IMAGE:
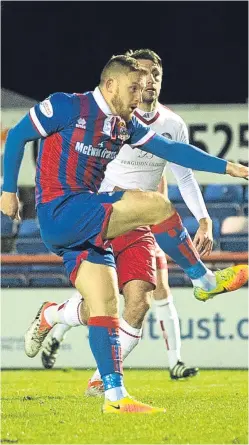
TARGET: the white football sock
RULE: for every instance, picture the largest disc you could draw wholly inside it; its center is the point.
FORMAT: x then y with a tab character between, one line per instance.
115	394
207	282
59	331
129	338
168	320
67	312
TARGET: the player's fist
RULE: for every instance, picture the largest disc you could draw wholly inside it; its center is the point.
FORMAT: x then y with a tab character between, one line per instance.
237	170
9	205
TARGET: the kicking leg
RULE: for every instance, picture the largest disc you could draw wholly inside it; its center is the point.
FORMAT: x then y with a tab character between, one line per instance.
143	208
175	241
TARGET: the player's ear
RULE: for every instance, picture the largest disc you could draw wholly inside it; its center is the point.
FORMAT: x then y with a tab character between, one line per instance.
110	85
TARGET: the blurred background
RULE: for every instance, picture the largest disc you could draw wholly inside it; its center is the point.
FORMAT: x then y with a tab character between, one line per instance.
62	46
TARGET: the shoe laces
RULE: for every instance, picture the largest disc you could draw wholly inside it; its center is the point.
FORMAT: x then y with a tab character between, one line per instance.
38	336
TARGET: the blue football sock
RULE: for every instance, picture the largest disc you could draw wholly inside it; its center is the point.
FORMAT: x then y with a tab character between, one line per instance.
174	240
105	346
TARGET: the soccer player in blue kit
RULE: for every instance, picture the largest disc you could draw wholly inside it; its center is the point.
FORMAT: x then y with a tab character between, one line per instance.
81	133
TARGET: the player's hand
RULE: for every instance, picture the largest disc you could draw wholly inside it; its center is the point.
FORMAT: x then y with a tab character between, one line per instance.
9	205
237	170
203	240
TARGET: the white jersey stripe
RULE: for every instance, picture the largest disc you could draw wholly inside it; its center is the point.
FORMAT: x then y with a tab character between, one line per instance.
37	123
145	139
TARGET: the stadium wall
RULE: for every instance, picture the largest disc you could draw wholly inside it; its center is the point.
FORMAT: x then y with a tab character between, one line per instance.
214	334
221	130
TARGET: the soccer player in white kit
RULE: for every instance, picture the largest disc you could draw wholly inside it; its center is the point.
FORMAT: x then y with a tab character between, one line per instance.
135	169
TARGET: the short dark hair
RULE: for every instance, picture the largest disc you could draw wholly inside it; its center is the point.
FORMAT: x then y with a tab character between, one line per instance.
145	53
120	63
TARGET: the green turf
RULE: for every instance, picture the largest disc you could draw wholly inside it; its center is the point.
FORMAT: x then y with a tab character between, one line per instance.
49	407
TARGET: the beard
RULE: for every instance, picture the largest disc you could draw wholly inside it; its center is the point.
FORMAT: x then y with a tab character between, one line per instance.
119	107
117	103
149	98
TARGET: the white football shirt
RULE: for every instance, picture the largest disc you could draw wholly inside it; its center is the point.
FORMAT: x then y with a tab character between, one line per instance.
135	168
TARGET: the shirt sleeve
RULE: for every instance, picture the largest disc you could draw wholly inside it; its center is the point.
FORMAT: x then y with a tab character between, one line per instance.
140	134
184	154
17	137
186	181
45	118
182	135
190	191
54	113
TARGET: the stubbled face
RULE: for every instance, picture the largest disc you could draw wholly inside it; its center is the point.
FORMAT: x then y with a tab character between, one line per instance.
127	94
153	81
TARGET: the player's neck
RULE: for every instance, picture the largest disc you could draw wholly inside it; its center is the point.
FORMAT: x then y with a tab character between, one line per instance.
149	107
109	103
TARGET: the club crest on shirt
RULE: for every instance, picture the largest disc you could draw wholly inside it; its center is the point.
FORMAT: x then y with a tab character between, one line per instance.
123	133
115	128
46	108
167	135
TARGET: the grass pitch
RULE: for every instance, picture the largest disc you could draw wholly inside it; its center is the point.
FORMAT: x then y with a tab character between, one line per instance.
49	407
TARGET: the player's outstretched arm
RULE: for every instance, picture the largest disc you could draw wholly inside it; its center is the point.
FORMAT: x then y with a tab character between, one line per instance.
13	154
191	157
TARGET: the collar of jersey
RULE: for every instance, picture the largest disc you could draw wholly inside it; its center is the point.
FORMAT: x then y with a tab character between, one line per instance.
101	102
147	115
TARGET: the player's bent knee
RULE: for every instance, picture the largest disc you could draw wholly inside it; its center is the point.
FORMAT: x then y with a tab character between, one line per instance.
134	314
101	300
137	295
143	306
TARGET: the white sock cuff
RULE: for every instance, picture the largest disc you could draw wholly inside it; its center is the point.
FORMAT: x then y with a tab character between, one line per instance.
128	329
72	311
165	301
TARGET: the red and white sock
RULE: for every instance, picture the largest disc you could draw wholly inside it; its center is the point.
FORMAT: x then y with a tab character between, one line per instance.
67	313
168	320
129	338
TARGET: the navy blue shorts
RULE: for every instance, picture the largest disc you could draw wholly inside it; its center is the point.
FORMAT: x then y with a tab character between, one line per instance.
72	228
